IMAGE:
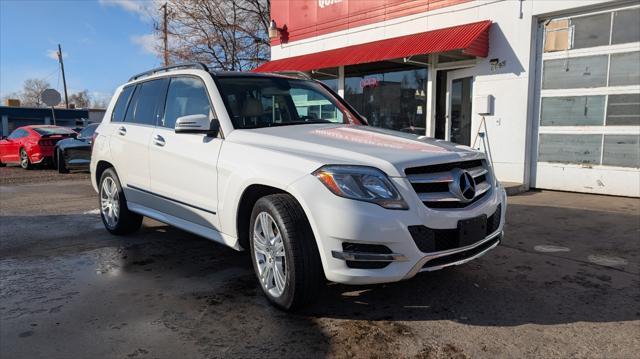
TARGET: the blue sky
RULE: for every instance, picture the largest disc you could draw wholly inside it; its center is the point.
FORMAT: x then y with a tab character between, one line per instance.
104	42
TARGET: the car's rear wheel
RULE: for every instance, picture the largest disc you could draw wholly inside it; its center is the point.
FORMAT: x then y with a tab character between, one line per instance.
25	162
62	167
284	252
116	216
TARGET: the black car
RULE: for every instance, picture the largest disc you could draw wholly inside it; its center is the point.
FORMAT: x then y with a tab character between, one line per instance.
75	153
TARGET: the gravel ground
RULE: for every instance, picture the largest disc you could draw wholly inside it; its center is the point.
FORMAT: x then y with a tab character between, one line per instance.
564	283
13	175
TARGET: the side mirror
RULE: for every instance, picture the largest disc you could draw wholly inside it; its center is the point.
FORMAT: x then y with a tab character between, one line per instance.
197	124
3	137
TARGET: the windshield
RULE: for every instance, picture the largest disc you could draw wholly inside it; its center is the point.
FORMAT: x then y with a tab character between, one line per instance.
89	130
254	102
46	131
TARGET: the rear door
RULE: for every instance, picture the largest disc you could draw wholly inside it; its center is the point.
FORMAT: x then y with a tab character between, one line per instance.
129	141
183	166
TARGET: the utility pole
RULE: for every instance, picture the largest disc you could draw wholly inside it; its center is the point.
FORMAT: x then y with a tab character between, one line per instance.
64	79
165	34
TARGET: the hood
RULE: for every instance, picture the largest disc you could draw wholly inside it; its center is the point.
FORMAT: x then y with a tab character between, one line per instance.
391	151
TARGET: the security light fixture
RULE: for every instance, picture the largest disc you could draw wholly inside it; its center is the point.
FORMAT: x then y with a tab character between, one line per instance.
277	32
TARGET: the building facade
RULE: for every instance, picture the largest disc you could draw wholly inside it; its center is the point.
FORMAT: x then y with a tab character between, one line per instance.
554	85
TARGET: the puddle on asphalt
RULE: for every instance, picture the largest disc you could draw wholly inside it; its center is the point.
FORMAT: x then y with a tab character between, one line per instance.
608	261
550	249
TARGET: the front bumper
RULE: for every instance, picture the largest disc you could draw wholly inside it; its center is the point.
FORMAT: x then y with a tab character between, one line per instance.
336	221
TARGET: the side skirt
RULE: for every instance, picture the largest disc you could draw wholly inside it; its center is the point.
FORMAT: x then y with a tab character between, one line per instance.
208	233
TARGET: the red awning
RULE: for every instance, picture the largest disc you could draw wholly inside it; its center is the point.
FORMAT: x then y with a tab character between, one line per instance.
471	39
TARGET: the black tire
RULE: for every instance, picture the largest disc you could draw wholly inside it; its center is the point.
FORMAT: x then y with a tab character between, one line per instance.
2	164
304	275
127	221
25	162
62	167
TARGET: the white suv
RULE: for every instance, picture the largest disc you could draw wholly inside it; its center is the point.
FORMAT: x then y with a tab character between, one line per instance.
282	166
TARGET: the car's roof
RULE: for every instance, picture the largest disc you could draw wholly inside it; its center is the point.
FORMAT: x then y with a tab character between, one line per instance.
294	75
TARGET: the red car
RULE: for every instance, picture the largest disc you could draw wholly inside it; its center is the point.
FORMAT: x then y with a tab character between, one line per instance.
30	145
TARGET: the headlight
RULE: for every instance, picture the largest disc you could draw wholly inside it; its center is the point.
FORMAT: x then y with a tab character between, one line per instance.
361	183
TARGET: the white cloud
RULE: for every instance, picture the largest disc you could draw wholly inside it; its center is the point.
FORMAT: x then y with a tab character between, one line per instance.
143	8
53	54
148	43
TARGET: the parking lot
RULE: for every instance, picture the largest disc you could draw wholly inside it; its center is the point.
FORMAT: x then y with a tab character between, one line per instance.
564	283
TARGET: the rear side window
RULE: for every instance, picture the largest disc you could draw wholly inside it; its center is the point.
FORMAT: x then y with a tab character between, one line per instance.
121	104
186	96
146	105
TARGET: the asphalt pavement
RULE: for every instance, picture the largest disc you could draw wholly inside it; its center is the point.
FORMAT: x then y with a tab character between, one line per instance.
564	283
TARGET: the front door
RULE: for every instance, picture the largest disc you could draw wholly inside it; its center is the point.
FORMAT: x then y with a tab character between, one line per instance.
459	97
183	165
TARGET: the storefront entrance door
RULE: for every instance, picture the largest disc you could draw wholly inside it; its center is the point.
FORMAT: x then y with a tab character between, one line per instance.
459	96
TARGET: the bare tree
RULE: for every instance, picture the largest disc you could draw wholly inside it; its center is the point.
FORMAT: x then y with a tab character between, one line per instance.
31	91
99	103
226	35
80	99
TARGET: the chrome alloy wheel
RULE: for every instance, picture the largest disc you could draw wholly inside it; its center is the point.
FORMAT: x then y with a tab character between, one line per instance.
110	201
269	254
24	159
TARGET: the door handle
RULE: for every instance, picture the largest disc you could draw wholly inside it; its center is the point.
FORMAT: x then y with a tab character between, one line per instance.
158	140
122	131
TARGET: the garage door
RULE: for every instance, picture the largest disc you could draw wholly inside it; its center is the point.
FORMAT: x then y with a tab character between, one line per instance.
589	103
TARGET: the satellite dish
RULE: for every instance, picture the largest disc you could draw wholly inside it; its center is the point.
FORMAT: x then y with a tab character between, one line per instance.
50	97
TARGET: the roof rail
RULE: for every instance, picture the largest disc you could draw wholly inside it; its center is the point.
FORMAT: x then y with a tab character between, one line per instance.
190	65
297	74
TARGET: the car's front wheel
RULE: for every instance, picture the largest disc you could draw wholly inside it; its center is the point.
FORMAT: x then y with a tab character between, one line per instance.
284	253
116	216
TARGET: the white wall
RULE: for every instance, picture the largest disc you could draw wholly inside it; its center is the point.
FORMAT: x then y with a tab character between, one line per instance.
511	39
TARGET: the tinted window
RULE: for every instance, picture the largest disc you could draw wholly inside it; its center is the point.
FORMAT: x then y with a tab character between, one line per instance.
626	27
576	72
621	150
581	149
88	131
394	99
147	102
186	96
273	101
623	110
591	30
121	104
624	69
19	133
572	111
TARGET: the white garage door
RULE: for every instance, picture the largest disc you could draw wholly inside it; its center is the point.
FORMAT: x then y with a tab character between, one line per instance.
589	103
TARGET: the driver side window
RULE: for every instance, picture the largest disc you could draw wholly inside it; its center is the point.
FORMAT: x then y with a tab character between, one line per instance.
17	134
186	96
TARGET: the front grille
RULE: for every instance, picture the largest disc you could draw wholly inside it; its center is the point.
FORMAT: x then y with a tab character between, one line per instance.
366	248
436	185
435	240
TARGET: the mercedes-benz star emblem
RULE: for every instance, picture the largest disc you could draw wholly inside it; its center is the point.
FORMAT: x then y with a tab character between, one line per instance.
463	185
